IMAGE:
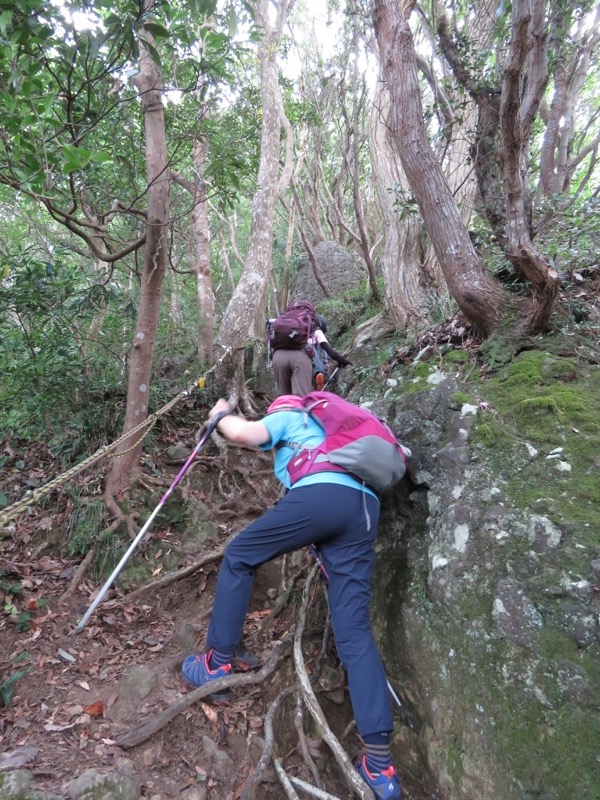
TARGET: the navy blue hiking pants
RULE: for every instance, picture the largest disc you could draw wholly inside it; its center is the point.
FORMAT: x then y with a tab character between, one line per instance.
333	517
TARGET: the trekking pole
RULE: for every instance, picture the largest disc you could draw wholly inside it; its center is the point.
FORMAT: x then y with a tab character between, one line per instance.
330	378
202	441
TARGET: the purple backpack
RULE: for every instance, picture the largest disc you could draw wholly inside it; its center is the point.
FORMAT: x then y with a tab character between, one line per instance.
292	329
356	441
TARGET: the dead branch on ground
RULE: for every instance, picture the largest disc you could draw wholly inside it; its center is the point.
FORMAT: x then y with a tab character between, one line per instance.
171	577
138	735
79	573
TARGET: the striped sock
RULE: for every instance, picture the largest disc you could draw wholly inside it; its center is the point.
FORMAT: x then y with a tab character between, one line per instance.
378	755
218	658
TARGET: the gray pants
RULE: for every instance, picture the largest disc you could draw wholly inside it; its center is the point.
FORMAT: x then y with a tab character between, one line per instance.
293	372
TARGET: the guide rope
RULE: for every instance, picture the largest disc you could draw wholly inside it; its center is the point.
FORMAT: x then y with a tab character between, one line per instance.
33	496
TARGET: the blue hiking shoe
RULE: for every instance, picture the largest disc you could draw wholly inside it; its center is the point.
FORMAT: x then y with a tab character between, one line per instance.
196	672
385	785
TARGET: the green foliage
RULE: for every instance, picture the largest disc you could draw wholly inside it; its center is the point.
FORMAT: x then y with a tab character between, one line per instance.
51	382
85	526
9	586
7	687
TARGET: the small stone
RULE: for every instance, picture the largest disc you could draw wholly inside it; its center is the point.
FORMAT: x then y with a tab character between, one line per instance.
93	783
563	466
193	793
215	753
186	636
138	683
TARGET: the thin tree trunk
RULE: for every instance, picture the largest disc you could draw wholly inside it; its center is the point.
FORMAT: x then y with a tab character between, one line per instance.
249	293
204	289
358	205
149	85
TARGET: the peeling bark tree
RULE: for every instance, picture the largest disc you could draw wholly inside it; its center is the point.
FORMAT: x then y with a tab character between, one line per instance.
241	311
404	284
479	296
149	85
501	149
560	156
525	79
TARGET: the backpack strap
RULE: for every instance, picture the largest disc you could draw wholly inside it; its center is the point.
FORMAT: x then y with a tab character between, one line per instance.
294	445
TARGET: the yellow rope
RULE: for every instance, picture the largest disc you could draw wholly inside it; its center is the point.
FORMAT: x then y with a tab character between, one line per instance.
33	496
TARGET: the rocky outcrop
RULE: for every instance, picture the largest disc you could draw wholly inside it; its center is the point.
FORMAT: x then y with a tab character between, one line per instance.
339	270
486	597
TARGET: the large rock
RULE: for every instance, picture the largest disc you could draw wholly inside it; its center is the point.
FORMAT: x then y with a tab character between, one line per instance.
339	270
483	606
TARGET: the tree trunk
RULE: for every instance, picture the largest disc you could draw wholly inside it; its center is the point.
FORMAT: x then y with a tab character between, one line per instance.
241	311
358	205
478	294
404	287
525	79
204	290
149	85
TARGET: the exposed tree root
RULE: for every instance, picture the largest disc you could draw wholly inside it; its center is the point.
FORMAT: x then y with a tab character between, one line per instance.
299	725
357	785
79	573
312	790
263	761
282	601
284	780
171	577
138	735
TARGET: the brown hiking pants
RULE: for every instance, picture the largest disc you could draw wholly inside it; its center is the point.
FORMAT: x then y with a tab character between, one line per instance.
293	372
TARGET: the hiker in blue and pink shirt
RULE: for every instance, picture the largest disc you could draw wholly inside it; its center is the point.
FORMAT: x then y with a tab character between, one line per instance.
338	514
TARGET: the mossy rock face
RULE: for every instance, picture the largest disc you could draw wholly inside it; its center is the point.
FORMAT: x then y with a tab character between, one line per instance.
484	599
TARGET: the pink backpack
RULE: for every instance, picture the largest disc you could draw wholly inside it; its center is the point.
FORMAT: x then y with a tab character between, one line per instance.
356	441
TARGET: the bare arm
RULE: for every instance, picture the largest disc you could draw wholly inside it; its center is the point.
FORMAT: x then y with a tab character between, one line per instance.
237	429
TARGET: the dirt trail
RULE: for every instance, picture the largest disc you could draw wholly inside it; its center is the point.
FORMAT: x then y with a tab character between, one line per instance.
71	699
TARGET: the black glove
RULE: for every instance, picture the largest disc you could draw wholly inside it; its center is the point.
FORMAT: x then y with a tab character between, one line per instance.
342	362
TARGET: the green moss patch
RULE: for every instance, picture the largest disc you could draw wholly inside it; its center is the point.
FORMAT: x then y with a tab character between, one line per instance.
551	404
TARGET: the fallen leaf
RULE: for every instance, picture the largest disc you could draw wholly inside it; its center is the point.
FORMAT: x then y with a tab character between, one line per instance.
57	728
66	656
210	712
95	709
84	685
